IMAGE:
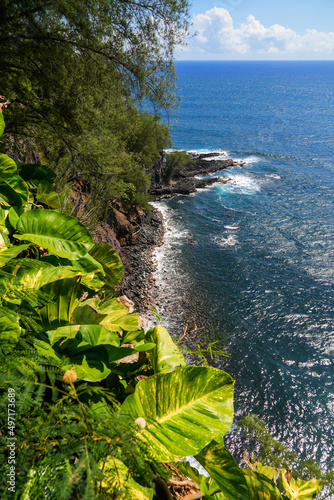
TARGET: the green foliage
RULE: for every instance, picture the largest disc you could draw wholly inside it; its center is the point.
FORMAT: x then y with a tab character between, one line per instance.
165	357
206	348
88	423
110	261
61	234
175	162
300	489
75	75
184	410
271	451
276	455
13	190
235	483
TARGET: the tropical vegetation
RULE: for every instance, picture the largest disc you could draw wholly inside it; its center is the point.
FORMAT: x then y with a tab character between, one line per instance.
92	405
88	423
80	78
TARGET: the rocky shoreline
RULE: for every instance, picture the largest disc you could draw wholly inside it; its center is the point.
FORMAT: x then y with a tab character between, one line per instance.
187	181
136	236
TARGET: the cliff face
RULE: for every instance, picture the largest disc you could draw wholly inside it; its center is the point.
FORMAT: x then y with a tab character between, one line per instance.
132	236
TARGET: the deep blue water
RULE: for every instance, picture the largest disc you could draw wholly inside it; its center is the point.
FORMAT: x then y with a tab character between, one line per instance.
263	258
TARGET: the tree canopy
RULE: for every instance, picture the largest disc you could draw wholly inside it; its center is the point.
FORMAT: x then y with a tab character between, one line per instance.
74	73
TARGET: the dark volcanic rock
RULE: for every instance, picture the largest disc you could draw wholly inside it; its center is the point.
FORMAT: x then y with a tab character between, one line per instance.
135	234
204	167
182	186
185	182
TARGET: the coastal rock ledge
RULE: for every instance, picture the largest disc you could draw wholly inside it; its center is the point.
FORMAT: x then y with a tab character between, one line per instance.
187	182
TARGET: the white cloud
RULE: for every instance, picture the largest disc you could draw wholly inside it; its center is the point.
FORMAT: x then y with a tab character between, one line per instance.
216	35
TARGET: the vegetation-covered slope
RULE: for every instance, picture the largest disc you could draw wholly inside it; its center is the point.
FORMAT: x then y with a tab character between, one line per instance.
77	419
74	74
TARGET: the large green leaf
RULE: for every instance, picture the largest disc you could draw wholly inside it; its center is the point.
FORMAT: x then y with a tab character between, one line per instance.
206	484
96	323
89	373
4	240
184	410
235	483
10	253
61	234
29	171
13	189
299	489
118	317
48	197
98	357
224	470
3	216
58	312
266	470
35	274
118	476
166	356
13	217
93	272
87	264
260	487
93	334
92	370
111	262
97	335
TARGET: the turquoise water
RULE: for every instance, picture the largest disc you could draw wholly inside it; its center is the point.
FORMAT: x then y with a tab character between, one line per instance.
262	251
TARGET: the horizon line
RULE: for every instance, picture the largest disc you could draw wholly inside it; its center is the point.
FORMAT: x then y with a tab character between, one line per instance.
253	60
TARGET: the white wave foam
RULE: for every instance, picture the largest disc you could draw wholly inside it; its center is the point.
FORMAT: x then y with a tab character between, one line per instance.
230	241
219	152
248	160
273	176
240	183
175	233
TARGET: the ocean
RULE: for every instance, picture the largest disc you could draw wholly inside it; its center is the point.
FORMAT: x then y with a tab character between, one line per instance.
253	259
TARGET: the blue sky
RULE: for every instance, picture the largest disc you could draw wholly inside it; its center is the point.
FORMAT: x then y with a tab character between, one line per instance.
261	29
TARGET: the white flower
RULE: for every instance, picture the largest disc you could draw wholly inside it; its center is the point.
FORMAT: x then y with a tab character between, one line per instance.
140	422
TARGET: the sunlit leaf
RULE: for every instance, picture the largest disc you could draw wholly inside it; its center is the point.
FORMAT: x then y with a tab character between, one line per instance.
299	489
234	482
166	356
118	476
111	262
10	253
184	410
61	234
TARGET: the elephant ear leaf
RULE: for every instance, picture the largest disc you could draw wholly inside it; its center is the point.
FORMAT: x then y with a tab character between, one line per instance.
265	470
297	489
166	356
184	410
48	197
10	253
35	171
13	189
61	234
111	262
235	483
